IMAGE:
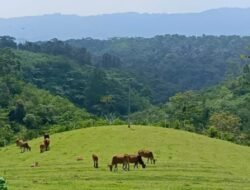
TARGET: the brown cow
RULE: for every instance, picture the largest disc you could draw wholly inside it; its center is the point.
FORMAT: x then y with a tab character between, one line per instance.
42	148
147	154
23	145
136	159
95	160
19	142
46	136
119	159
46	143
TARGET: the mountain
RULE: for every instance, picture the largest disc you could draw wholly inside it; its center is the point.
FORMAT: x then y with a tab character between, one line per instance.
183	161
225	21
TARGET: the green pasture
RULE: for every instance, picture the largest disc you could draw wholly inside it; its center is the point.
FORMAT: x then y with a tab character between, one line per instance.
184	161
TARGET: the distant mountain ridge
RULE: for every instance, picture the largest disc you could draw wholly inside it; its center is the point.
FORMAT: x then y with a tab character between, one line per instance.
224	21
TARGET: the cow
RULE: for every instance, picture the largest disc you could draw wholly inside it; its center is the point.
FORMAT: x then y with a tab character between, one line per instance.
119	159
136	159
24	146
46	143
95	160
42	148
46	136
147	154
19	142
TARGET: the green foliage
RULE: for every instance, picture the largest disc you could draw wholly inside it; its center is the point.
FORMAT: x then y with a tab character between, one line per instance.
26	111
225	121
8	62
154	69
7	42
212	132
3	185
172	63
220	112
57	47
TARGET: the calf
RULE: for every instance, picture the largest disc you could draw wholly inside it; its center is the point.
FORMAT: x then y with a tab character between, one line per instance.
95	160
42	148
147	154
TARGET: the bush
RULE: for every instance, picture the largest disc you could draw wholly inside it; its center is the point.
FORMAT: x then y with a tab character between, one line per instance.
212	132
3	185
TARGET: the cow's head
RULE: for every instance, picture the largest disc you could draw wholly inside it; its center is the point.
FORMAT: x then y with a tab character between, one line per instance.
110	167
154	160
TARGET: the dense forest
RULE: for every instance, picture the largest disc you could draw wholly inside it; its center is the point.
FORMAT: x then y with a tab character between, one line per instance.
27	111
222	111
171	63
61	85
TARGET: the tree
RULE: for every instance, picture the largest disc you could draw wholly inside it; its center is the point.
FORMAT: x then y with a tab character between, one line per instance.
7	42
225	122
30	120
96	89
9	63
18	113
110	61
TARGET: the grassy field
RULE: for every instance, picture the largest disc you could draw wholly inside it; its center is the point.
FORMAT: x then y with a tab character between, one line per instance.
184	161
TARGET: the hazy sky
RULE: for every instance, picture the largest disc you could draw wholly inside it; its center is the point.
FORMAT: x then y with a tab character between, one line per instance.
16	8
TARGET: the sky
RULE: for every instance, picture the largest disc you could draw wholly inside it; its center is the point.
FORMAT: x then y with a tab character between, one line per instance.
18	8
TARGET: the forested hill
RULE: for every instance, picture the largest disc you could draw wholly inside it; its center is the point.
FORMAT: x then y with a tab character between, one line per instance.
171	63
228	21
87	70
26	111
222	111
96	75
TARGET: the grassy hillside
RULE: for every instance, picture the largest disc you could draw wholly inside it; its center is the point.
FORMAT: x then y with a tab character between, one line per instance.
184	161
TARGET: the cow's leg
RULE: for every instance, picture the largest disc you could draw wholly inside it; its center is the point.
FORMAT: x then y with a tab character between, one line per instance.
124	167
136	165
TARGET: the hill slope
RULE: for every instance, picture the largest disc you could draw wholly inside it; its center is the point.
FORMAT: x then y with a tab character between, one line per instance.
184	161
213	22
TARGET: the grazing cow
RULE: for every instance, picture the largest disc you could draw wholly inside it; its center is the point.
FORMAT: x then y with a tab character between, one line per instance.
46	143
136	159
147	154
23	145
42	148
95	160
119	159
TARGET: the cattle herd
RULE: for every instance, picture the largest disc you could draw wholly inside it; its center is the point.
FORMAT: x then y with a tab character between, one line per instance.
24	146
124	159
